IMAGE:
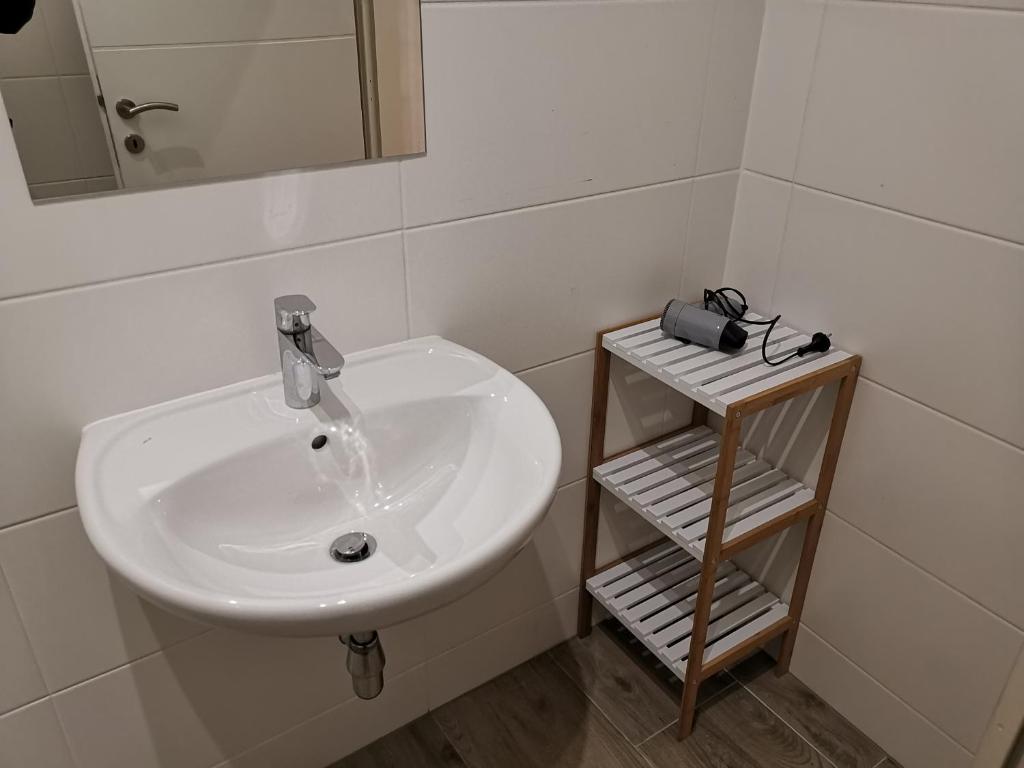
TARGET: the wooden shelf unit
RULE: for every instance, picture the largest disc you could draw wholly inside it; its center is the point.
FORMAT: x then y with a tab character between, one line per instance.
683	599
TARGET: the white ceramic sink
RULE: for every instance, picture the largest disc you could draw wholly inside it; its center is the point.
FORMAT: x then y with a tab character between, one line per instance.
217	507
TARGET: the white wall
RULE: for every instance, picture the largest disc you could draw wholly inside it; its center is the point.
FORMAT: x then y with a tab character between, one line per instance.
45	84
880	198
578	153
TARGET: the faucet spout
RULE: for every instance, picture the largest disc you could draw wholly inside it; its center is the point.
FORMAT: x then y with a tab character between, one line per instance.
306	356
316	351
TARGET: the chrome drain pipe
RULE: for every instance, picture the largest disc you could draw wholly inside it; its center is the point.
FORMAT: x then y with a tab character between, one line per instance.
365	663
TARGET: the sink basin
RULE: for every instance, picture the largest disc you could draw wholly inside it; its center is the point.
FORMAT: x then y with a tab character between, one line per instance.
219	507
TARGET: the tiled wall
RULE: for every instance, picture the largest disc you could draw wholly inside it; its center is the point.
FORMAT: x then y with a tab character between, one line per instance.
880	198
578	153
45	84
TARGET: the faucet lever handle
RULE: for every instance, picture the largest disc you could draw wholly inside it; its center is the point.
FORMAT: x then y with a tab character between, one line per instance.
292	312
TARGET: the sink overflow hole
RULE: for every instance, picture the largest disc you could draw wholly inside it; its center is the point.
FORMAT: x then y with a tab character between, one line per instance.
353	547
319	442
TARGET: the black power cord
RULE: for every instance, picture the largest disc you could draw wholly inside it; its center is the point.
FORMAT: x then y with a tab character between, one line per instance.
728	307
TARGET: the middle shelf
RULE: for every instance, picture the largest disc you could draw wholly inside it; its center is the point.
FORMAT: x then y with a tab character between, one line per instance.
670	484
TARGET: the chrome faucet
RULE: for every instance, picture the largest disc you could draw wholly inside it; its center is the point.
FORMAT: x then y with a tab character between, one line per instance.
306	356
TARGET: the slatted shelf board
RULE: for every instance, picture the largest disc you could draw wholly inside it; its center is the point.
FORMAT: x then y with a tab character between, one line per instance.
654	595
670	485
712	378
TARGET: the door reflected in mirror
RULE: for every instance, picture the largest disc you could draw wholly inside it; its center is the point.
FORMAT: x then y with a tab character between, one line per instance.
109	95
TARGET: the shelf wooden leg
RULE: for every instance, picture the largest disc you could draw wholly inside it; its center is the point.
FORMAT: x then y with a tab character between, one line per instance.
592	507
712	553
837	428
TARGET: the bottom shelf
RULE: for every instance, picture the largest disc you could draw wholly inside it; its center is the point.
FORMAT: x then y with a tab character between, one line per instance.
654	594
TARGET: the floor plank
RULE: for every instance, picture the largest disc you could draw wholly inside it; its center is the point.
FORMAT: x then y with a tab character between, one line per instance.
533	716
806	713
420	744
633	698
734	731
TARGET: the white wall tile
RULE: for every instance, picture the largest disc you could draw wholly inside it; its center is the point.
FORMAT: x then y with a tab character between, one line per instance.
640	408
951	152
68	600
65	39
42	129
90	133
213	697
565	387
547	568
343	729
731	64
862	700
532	286
784	68
27	54
707	236
32	736
936	650
938	492
621	531
489	655
886	284
758	226
202	701
164	322
609	96
20	681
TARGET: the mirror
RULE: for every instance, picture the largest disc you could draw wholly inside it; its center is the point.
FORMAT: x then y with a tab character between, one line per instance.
109	95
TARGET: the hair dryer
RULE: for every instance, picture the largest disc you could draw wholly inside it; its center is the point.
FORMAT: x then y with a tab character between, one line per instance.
702	326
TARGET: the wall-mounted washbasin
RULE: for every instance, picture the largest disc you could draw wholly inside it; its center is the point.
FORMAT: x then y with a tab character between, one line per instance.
223	506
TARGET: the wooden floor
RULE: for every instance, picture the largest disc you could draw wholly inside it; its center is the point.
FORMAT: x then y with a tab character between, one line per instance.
589	703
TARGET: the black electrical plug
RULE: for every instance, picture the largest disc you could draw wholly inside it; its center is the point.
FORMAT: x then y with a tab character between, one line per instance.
819	343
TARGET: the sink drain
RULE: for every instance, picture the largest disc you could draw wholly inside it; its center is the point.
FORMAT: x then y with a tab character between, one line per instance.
353	547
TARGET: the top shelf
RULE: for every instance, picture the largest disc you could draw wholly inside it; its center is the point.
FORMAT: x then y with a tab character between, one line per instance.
718	379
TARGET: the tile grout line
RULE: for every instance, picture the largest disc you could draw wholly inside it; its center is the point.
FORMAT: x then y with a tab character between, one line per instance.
796	160
92	678
593	703
569	200
937	728
637	662
229	761
997	239
405	252
449	742
956	420
939	4
782	720
928	574
557	360
352	238
65	733
659	731
713	697
634	747
405	281
702	125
